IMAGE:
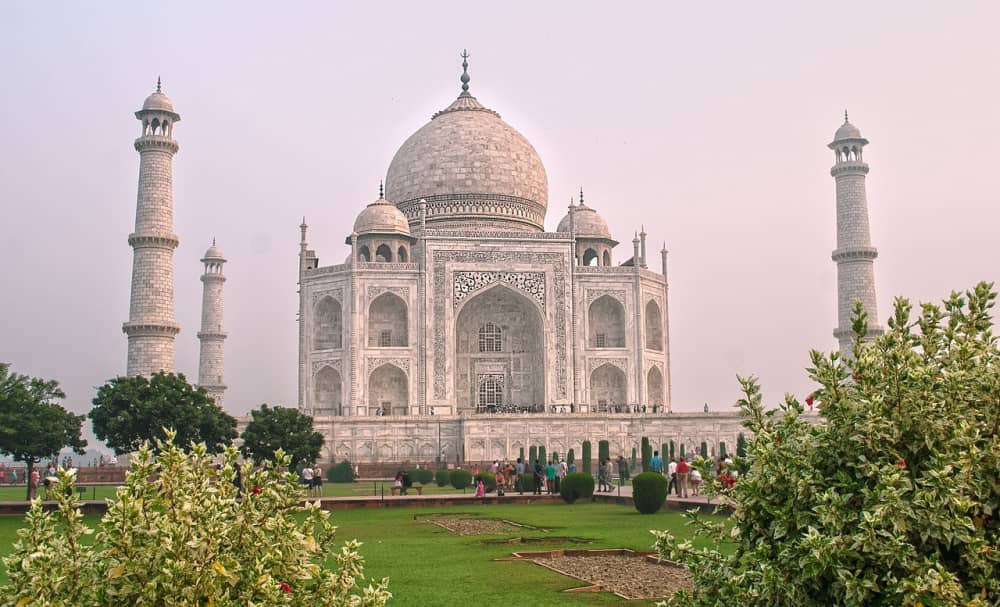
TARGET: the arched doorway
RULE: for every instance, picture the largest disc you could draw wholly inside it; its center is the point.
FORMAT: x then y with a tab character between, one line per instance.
608	388
328	393
500	352
388	391
654	388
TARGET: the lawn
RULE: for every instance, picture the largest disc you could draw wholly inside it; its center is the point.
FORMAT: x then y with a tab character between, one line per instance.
427	565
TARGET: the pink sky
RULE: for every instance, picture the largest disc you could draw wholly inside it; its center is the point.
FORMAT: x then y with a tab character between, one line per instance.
706	123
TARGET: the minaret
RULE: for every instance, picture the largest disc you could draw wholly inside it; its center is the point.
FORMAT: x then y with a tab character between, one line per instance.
151	327
855	255
212	361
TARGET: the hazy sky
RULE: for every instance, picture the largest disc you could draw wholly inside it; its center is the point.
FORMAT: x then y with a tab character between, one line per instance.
706	122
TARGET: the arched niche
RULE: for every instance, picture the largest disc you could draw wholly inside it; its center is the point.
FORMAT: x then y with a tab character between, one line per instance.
328	324
328	393
388	326
503	317
388	391
608	387
606	323
654	387
654	326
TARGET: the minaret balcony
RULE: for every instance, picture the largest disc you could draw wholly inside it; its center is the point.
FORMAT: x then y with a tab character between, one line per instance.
854	254
156	142
851	167
153	241
150	329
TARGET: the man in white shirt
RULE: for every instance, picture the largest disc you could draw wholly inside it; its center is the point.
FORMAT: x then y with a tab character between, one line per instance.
307	477
672	473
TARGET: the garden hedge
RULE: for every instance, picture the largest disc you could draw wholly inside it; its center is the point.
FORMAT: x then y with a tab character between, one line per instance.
460	479
443	477
341	473
649	490
576	486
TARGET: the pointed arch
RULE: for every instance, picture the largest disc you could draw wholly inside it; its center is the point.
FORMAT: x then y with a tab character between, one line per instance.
383	253
388	325
590	258
608	387
606	323
364	253
328	392
328	324
654	326
654	387
388	390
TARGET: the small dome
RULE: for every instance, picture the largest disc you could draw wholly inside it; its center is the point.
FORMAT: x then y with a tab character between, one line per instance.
586	222
847	131
214	252
381	217
158	102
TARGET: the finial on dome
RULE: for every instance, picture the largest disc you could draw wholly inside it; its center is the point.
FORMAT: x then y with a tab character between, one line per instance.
581	196
158	85
465	72
380	192
213	241
845	115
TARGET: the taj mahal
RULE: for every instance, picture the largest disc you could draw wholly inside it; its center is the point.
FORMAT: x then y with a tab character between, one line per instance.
458	328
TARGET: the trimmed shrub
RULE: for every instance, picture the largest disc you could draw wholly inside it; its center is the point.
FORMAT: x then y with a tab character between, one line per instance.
682	450
741	445
460	479
704	449
673	450
722	450
341	473
603	451
647	454
532	455
527	480
576	486
555	456
520	453
541	456
489	479
443	477
649	490
424	476
570	457
634	458
664	454
586	457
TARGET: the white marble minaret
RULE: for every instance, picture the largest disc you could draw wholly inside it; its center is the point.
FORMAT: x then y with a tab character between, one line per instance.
855	255
211	336
151	327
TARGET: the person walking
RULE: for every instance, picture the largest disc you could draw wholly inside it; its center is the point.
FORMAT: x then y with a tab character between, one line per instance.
519	479
550	478
609	472
539	477
682	477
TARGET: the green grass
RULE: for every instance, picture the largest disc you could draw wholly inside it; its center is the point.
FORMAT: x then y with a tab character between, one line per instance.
427	565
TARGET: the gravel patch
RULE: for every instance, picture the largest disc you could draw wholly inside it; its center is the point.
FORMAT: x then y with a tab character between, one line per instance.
629	575
477	526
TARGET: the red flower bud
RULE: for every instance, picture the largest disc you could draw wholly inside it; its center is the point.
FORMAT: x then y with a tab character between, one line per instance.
255	491
809	400
901	463
286	587
777	439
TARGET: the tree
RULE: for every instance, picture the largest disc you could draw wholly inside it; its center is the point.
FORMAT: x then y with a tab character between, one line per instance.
131	410
646	453
603	451
892	499
586	456
32	427
273	428
182	533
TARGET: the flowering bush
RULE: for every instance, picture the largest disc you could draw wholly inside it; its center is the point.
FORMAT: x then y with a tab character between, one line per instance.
892	500
181	532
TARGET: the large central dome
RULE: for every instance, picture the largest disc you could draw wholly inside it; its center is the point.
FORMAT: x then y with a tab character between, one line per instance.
473	169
